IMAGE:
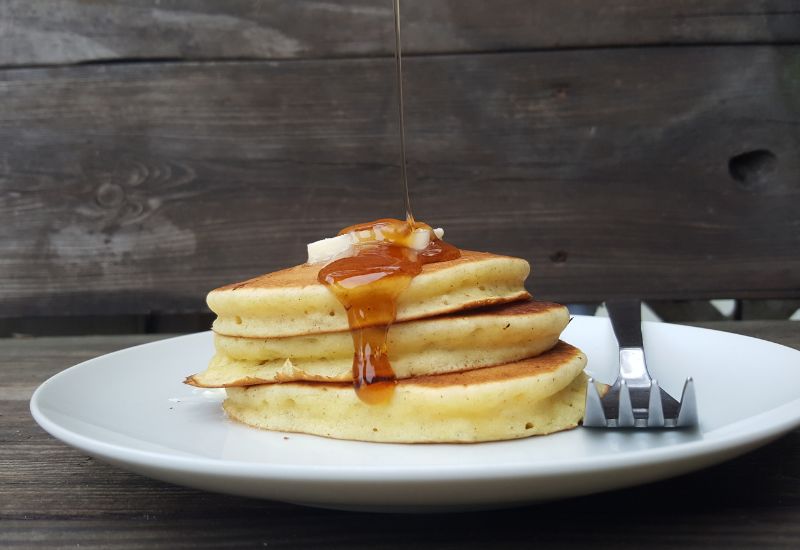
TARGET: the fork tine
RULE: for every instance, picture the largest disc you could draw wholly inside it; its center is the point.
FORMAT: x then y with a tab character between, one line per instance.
656	409
655	412
625	411
594	415
687	416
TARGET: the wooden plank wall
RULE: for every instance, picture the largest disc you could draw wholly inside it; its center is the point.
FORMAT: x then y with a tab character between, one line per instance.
150	151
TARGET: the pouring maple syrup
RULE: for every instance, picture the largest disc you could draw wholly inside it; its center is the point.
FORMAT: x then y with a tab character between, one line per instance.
398	64
369	282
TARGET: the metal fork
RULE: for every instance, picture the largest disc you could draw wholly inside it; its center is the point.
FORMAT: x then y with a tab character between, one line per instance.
636	400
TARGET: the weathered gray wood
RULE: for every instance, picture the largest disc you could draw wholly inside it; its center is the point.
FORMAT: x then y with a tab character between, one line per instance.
54	496
59	31
82	325
769	309
137	188
683	311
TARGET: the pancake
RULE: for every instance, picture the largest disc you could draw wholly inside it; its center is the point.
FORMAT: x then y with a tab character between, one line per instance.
456	342
534	396
291	302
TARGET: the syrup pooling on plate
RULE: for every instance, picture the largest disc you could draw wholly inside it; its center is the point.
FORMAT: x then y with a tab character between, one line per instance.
368	285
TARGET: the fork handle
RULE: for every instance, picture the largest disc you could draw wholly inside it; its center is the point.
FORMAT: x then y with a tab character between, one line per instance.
626	319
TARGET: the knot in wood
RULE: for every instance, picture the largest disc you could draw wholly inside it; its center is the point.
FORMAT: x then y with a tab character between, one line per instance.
753	168
110	195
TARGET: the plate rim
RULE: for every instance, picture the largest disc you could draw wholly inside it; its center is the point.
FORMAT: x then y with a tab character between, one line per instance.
765	426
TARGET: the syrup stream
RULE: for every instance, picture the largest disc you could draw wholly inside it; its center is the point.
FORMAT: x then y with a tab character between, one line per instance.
398	61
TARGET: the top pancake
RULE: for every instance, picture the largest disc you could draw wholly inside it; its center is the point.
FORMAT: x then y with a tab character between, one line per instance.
292	302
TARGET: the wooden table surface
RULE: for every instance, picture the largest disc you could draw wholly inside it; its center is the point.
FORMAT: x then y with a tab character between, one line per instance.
54	496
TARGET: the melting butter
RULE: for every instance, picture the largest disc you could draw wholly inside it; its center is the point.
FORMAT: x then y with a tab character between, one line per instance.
343	246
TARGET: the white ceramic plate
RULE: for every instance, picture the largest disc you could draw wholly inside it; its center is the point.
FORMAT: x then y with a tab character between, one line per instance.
130	408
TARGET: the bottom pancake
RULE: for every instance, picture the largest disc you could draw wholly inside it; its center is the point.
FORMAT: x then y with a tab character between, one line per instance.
536	396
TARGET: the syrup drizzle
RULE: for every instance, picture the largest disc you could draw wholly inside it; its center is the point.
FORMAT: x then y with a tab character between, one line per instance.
368	285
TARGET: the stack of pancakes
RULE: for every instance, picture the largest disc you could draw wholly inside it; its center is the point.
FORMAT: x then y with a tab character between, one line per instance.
475	358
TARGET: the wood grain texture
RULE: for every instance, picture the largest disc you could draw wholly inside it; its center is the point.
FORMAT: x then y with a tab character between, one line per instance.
137	188
58	31
54	496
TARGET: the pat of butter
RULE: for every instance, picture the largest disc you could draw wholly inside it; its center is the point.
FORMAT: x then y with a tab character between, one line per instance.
343	246
328	250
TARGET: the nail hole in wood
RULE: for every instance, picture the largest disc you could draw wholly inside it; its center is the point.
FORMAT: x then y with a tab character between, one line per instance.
752	168
559	256
561	91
